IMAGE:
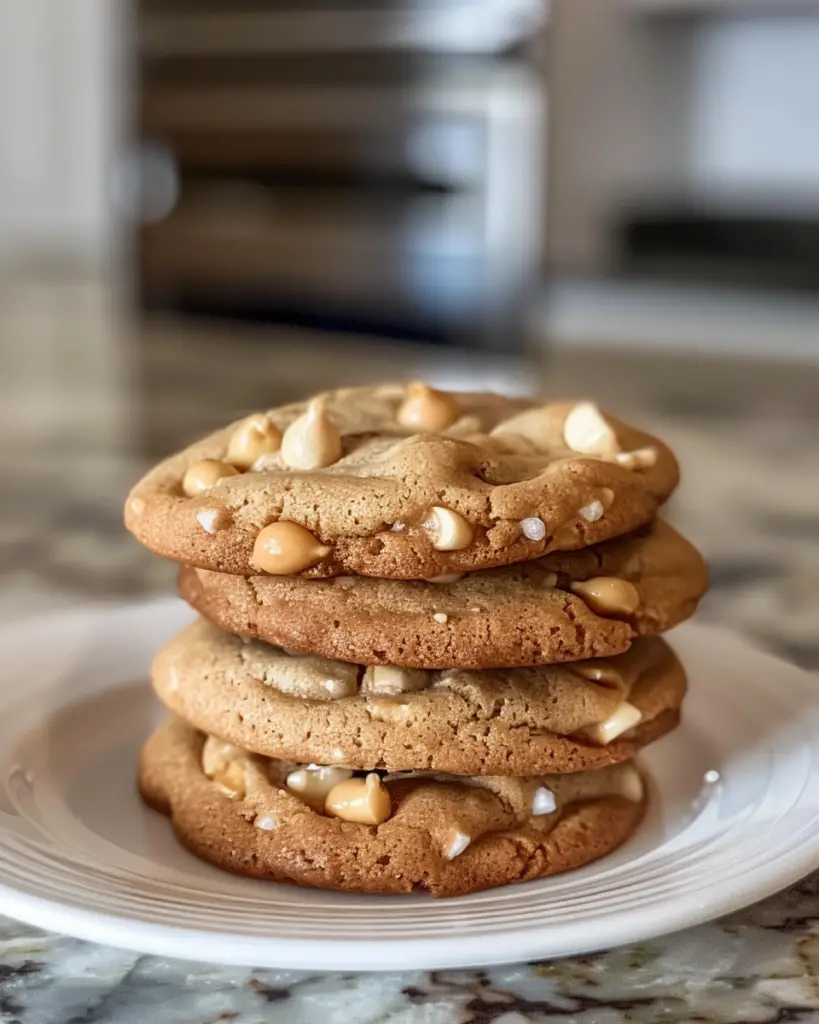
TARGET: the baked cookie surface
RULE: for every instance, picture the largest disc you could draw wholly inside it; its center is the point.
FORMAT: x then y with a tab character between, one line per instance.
525	614
520	721
440	834
401	482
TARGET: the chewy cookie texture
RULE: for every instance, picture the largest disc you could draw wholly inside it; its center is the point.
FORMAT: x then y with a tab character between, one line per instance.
378	481
565	606
445	835
518	721
430	638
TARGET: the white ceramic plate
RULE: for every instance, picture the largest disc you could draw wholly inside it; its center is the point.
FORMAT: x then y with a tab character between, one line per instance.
734	817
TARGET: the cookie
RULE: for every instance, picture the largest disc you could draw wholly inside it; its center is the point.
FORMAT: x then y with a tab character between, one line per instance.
504	721
444	835
526	614
400	482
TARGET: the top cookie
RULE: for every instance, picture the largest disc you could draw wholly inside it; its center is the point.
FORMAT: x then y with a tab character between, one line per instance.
400	482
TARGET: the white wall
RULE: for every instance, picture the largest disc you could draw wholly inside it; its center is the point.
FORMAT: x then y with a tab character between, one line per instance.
58	60
754	109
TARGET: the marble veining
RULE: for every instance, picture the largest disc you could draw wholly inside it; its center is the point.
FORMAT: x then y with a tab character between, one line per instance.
761	964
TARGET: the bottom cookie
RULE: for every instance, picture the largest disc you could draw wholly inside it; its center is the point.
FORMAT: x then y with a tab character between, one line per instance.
383	833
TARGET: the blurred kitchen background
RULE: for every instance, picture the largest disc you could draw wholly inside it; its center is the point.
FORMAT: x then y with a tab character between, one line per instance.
209	206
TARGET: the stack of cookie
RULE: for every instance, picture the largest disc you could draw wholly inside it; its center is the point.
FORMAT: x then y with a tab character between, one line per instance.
428	648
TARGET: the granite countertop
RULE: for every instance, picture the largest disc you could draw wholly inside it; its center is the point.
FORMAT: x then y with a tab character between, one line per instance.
89	402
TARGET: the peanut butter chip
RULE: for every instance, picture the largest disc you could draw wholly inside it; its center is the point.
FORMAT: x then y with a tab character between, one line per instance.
312	784
608	595
312	441
641	458
222	762
543	801
252	438
202	475
586	431
428	410
364	801
284	548
449	530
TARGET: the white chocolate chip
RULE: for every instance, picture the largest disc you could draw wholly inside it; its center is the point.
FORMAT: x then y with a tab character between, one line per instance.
533	528
387	709
457	845
398	527
224	764
312	784
205	473
441	617
338	688
630	785
586	431
252	439
266	823
550	579
312	441
137	506
447	577
390	680
543	802
450	531
212	520
623	719
592	512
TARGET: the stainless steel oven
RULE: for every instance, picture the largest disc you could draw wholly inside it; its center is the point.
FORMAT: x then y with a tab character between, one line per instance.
377	169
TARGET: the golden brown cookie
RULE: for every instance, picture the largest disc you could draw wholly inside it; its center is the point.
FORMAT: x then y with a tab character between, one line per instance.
401	482
444	835
504	721
525	614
